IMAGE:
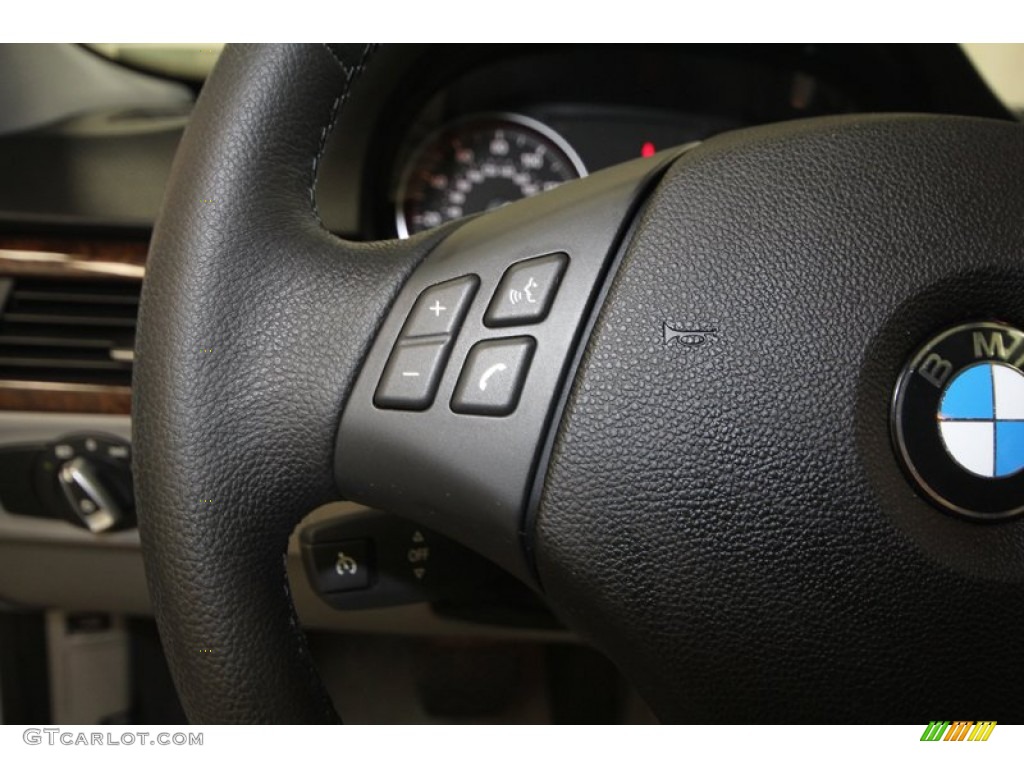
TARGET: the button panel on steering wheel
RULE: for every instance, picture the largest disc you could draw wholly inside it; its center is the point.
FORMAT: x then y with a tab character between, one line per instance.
462	384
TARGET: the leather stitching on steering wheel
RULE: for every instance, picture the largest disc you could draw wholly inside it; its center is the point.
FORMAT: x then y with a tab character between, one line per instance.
351	74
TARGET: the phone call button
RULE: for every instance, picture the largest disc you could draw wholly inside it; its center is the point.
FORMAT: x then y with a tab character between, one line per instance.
493	376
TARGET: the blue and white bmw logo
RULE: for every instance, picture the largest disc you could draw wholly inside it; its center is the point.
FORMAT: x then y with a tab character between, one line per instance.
958	420
981	419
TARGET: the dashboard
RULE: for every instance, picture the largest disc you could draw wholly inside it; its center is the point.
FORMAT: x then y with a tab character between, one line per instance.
591	107
432	134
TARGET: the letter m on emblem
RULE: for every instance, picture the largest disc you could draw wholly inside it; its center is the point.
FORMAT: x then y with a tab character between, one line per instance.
935	730
994	346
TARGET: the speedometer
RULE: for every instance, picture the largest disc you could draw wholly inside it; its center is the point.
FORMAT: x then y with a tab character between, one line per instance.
478	164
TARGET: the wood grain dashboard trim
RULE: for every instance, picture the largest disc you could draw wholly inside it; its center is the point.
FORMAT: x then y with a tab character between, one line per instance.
56	397
47	264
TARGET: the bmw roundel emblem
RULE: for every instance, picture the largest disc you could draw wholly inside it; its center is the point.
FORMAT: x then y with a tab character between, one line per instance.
958	420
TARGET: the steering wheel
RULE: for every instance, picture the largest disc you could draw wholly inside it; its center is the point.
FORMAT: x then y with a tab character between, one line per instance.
684	442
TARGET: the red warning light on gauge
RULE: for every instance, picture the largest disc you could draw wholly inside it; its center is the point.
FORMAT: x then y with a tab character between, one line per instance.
647	150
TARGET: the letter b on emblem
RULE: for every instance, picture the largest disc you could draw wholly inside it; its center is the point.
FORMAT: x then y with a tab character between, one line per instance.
935	370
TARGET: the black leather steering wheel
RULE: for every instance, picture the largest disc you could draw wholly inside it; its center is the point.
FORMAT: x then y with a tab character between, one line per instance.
698	475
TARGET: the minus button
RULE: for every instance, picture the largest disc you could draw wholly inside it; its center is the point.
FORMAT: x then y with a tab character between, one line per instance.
412	375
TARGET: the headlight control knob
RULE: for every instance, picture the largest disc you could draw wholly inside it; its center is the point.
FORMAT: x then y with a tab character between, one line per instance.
86	478
94	505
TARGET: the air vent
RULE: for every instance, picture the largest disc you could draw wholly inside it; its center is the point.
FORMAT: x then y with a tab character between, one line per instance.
71	331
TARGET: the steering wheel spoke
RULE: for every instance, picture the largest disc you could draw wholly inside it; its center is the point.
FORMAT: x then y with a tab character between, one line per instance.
468	371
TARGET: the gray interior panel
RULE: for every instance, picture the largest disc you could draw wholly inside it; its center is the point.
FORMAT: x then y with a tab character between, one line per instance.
60	81
51	563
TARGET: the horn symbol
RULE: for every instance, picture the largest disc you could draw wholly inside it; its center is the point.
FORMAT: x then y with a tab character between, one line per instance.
686	337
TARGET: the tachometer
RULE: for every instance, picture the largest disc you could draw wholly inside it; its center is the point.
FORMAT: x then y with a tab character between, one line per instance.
478	164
